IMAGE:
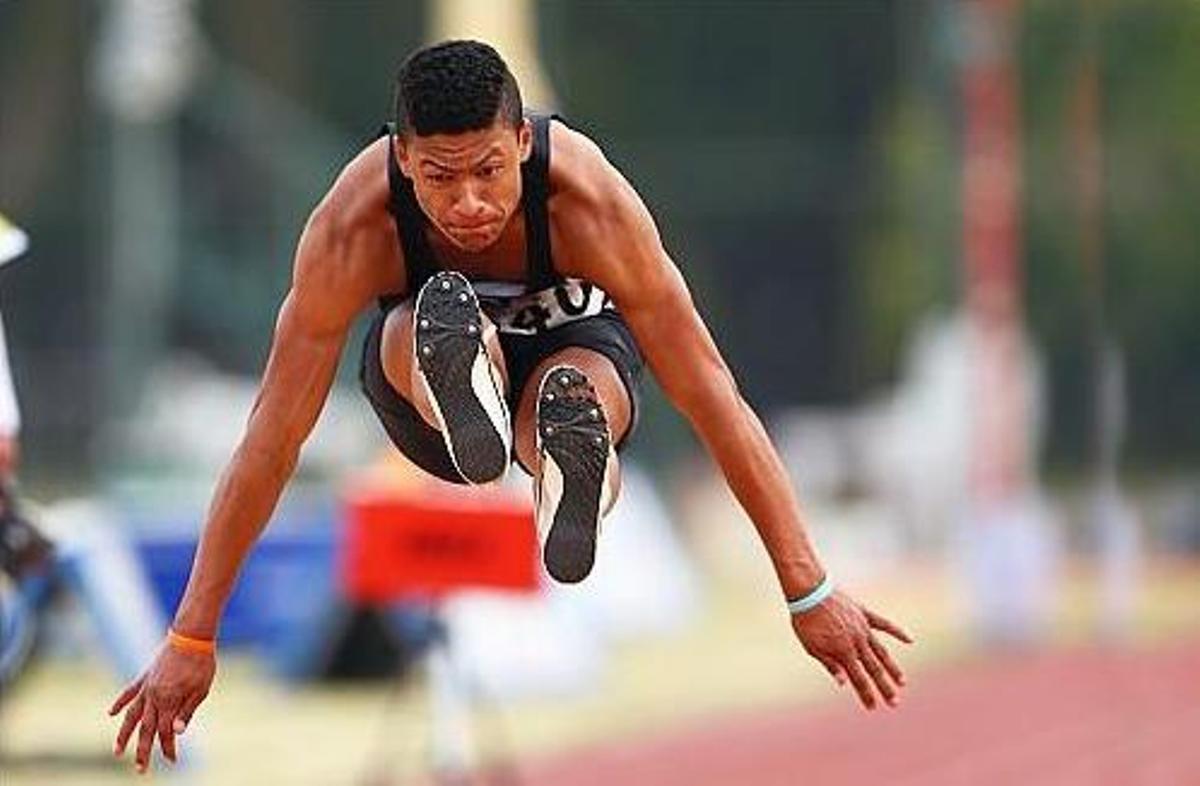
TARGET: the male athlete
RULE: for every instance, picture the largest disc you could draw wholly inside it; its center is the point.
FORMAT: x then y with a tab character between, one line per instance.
520	281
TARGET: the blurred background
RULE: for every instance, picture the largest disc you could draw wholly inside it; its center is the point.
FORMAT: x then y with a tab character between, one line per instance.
948	248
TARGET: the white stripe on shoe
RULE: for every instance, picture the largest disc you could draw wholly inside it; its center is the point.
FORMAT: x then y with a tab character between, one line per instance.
490	394
549	495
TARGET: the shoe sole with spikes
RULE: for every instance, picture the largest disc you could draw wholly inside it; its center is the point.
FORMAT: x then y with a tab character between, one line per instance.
574	443
467	398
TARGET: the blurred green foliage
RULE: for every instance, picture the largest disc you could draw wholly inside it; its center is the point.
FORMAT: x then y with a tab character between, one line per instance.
1146	293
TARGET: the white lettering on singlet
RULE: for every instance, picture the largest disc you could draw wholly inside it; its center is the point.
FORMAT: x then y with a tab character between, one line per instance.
544	309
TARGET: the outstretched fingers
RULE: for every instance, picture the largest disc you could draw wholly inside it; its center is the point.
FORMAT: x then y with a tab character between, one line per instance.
835	670
862	685
879	622
879	677
166	733
127	695
146	734
886	659
132	716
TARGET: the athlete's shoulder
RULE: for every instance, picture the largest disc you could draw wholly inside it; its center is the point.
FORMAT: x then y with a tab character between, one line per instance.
350	233
581	176
596	215
357	200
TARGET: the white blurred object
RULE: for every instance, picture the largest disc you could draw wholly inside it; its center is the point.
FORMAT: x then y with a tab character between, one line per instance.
830	455
514	646
103	572
1114	519
13	241
450	741
149	50
919	444
895	473
1007	541
906	450
1117	529
888	474
921	457
191	417
10	413
1010	553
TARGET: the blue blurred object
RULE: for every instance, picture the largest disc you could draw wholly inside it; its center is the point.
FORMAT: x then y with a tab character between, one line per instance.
19	608
287	585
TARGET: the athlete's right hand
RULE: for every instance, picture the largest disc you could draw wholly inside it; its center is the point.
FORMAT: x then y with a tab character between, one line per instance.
840	634
161	701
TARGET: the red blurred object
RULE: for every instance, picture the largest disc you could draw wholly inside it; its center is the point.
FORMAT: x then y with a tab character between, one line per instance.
432	539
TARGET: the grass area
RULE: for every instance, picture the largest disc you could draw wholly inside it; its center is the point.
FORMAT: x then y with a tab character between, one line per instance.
739	656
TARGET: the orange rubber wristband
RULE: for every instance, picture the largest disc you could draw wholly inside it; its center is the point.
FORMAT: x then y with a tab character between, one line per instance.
188	644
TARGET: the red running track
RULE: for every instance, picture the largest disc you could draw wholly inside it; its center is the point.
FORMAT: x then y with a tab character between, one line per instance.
1098	717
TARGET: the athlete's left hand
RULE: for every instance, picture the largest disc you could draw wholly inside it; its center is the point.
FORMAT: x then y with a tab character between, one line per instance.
840	633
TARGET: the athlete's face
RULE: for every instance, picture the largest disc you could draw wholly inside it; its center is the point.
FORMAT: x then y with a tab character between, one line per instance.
468	184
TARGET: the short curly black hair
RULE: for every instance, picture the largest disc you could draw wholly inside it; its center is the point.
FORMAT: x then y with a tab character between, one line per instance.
455	86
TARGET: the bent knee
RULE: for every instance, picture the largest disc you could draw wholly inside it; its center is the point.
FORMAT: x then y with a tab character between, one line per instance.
606	380
395	349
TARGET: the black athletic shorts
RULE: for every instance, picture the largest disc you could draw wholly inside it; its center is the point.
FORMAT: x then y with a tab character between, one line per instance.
605	333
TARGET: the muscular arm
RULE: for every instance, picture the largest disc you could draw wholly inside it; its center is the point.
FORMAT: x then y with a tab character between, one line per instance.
309	335
685	360
610	238
346	256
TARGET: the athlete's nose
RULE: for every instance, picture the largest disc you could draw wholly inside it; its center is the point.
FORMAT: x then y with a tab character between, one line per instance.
469	205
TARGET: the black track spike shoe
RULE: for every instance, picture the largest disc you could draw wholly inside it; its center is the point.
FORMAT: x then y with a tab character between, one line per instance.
465	390
574	444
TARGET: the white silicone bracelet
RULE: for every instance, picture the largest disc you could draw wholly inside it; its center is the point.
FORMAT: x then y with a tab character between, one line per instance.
812	599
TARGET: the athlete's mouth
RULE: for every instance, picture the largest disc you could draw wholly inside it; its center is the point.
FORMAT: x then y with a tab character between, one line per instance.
472	229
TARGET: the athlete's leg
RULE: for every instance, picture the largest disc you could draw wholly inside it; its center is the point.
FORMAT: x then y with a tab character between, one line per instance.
572	413
442	355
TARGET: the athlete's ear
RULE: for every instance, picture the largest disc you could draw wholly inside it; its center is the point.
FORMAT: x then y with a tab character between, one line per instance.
525	139
400	150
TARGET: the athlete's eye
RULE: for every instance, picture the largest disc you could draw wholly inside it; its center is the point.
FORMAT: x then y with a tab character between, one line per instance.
490	170
440	178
